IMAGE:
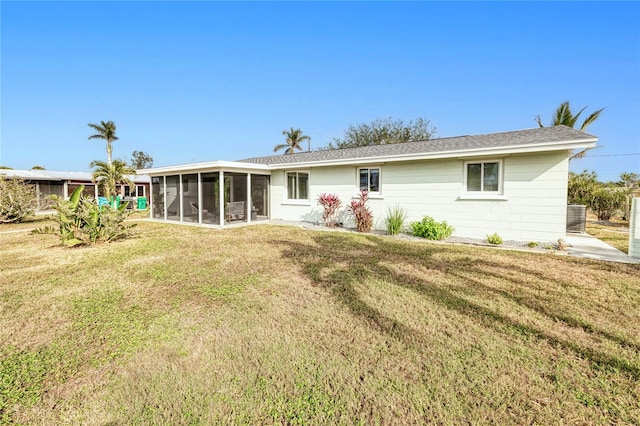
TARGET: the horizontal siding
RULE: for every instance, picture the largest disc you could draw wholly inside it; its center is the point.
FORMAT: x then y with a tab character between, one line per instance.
535	187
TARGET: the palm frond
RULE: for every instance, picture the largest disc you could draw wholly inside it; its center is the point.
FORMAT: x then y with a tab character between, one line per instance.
593	117
279	147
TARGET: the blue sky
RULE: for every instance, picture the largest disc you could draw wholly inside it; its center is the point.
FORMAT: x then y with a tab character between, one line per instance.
203	81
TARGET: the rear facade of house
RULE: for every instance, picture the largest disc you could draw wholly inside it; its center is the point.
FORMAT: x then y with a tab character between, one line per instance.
510	183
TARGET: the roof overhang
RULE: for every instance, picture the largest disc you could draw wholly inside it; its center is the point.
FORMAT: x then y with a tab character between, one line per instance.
210	166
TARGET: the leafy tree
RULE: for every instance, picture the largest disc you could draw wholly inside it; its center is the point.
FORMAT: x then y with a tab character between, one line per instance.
108	175
606	200
564	116
17	200
581	187
141	160
384	131
107	132
38	168
6	168
294	138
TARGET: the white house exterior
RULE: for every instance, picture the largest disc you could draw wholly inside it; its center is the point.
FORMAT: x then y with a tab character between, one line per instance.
513	183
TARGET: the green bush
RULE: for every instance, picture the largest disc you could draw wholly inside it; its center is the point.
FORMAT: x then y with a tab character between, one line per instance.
606	201
17	200
395	219
80	221
494	239
430	229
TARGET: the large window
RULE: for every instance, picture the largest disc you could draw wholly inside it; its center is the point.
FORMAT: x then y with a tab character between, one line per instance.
297	185
369	179
483	177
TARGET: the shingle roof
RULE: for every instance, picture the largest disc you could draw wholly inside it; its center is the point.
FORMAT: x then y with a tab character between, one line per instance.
542	135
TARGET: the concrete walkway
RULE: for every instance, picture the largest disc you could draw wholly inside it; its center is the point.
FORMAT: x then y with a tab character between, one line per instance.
584	245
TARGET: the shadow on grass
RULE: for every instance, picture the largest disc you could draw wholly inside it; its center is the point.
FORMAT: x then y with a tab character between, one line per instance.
339	263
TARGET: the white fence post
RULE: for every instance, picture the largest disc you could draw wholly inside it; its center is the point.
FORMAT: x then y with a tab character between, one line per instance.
634	229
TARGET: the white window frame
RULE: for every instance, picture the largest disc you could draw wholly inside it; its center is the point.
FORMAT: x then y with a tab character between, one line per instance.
371	193
482	193
137	187
288	200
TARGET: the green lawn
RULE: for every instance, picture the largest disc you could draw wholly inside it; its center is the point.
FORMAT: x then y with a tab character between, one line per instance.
280	325
614	234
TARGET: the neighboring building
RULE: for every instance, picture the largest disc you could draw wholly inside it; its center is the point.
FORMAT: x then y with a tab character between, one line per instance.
513	183
63	184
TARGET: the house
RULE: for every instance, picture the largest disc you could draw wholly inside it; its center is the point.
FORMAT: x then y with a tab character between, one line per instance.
63	184
513	183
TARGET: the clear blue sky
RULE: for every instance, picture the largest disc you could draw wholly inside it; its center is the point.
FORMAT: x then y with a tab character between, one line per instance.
203	81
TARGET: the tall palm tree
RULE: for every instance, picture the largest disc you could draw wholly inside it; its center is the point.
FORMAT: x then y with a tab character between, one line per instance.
564	116
108	175
294	138
106	131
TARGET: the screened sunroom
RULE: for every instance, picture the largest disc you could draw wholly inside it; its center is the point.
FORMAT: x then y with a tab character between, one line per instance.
217	193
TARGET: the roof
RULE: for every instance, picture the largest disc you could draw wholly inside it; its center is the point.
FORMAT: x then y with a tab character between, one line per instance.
51	175
529	140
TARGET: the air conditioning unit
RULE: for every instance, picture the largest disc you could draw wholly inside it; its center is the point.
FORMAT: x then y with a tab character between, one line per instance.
576	217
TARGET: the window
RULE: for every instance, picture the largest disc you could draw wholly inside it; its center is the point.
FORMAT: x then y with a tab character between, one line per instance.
138	191
483	176
297	185
369	179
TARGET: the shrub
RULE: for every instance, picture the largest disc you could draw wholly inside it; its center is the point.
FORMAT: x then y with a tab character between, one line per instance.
395	219
494	239
17	200
432	230
532	244
80	221
331	203
361	213
581	186
606	201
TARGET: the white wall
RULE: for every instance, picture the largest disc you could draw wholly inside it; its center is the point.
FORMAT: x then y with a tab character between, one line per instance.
535	188
634	229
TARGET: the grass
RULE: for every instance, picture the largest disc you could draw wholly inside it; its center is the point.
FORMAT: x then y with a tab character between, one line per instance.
614	233
268	324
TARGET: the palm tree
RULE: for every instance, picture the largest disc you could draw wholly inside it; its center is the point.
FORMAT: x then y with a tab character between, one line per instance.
564	116
108	175
294	138
106	131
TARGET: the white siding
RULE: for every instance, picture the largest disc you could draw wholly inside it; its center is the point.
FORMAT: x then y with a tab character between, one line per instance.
535	188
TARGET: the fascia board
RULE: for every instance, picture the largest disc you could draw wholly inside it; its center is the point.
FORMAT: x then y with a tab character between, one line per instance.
205	167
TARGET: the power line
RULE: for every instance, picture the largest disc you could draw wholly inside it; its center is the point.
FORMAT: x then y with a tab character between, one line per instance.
613	155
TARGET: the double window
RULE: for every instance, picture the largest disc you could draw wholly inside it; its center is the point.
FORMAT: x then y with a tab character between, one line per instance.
297	185
136	191
369	179
483	177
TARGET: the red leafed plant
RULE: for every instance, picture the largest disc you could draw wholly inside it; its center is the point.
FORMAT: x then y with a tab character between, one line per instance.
361	213
331	203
